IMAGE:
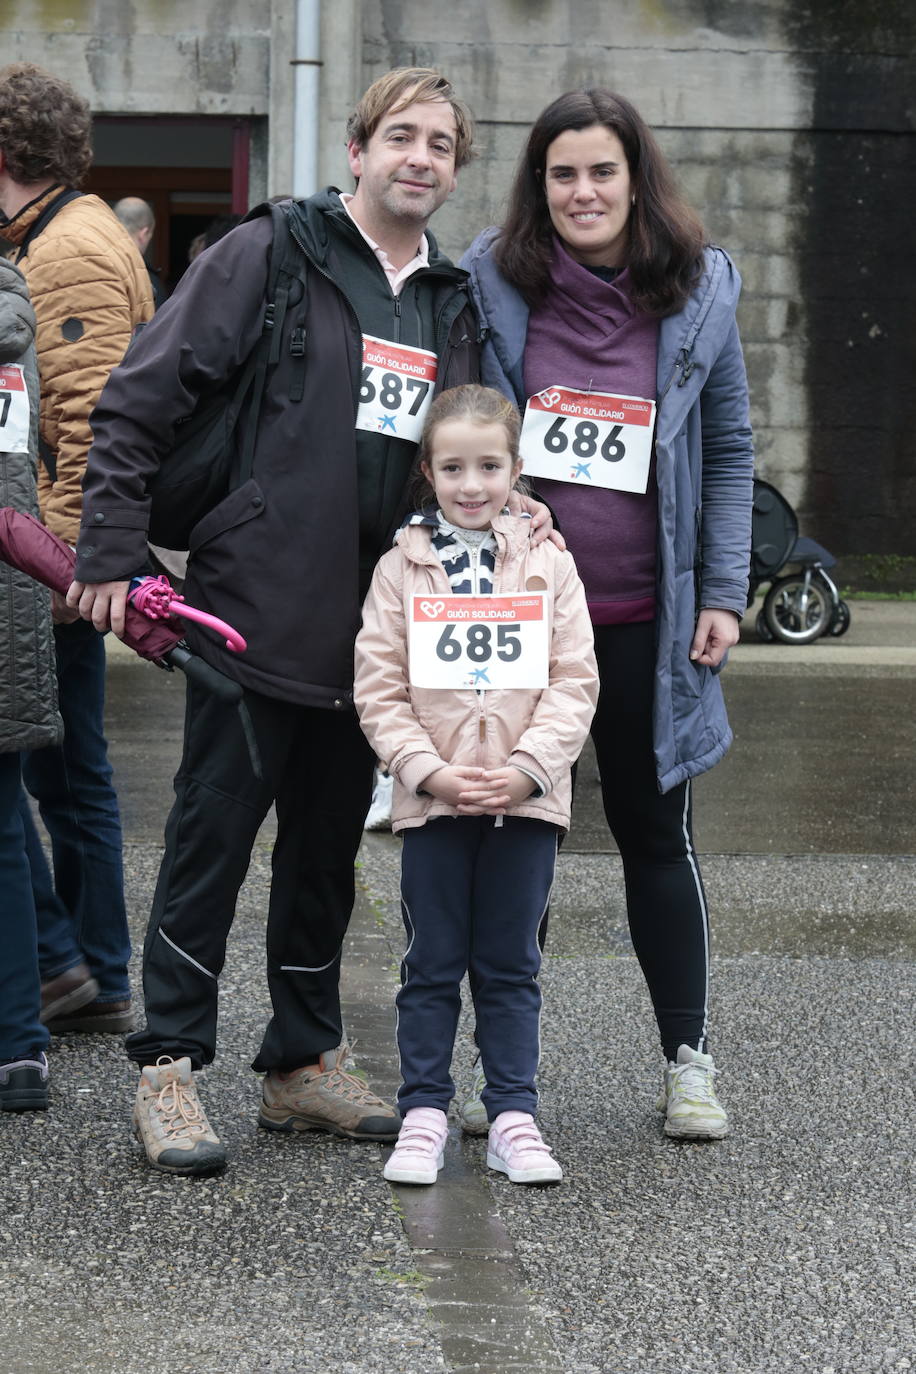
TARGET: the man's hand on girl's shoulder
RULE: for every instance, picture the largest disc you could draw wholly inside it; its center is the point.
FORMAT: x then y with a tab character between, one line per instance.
541	519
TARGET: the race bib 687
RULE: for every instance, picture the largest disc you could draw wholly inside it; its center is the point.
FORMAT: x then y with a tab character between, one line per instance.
396	389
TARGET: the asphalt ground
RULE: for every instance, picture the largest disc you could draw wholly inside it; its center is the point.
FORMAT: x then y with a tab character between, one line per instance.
788	1246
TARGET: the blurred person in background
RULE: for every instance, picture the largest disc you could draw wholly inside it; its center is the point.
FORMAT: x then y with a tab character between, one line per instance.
90	291
29	717
138	219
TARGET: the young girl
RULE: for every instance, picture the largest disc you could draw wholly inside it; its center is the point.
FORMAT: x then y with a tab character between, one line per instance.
478	709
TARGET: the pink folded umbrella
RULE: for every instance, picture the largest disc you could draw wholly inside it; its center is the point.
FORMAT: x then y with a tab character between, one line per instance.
151	624
152	627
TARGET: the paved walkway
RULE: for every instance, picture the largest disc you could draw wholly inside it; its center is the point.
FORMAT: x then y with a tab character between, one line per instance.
786	1247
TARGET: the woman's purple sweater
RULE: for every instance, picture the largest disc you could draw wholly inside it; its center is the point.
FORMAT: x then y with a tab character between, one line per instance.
588	335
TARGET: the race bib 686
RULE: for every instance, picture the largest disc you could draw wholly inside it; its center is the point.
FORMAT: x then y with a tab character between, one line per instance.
589	437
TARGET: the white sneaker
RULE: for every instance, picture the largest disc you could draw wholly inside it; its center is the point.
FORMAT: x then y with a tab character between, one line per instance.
688	1098
378	816
472	1113
515	1147
418	1157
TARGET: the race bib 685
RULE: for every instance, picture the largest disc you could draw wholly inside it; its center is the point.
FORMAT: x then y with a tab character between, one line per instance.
479	641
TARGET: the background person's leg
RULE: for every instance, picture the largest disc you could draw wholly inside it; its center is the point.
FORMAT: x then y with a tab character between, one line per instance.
58	950
79	808
21	1031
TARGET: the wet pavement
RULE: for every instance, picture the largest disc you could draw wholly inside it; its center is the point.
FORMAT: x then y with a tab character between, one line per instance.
788	1246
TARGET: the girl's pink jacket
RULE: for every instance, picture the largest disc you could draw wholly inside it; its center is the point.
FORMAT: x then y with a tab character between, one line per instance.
416	730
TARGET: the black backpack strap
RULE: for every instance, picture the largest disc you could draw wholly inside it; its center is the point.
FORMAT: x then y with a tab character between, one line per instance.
44	219
287	266
294	269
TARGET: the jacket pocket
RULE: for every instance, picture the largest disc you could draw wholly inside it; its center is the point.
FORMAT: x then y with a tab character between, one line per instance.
241	505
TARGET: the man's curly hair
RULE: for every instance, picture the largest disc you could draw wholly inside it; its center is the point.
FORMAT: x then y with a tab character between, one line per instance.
44	126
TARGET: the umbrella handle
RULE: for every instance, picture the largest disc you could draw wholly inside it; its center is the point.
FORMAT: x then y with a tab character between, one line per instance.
234	640
156	598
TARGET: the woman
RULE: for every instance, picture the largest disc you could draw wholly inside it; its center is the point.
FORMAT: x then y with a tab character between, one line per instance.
612	324
28	710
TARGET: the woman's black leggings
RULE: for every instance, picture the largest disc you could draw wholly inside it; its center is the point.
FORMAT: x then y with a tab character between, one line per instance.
666	904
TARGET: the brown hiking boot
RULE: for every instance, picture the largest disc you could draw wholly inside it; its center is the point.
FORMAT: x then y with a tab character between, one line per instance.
328	1096
67	992
170	1123
96	1018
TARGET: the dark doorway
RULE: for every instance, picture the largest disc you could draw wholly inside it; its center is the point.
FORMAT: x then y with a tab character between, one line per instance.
189	170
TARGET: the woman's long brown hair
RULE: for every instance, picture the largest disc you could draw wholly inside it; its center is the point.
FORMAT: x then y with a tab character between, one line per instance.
666	239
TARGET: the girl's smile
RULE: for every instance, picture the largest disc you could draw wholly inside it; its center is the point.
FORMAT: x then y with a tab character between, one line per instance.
472	471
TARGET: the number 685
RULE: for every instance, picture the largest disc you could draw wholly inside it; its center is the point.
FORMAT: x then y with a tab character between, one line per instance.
479	645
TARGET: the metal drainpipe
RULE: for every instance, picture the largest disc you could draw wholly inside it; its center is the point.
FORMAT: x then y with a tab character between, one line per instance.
307	71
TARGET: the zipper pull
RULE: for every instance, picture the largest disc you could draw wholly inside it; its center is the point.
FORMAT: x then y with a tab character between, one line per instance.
482	729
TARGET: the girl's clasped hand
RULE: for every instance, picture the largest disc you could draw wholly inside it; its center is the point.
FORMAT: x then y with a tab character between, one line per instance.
480	791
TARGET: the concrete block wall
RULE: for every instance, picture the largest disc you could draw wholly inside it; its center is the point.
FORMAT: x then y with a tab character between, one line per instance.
790	124
150	56
791	128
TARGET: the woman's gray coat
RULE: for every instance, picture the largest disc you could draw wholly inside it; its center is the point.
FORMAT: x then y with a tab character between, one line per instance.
705	462
28	681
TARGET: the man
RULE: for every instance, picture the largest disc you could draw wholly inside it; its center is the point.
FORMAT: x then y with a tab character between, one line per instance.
138	219
286	557
89	292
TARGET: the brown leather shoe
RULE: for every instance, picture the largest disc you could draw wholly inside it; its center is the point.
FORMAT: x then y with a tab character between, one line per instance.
96	1018
67	992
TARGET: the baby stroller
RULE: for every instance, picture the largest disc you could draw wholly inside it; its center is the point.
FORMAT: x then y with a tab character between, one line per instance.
801	605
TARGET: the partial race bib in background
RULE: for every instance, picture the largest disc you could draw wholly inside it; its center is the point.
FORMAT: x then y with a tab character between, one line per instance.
14	409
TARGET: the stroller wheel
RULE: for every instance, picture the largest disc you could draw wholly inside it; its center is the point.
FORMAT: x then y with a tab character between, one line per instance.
840	622
763	630
796	613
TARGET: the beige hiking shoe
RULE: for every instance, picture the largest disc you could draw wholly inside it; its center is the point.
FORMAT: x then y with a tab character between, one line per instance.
328	1096
170	1123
